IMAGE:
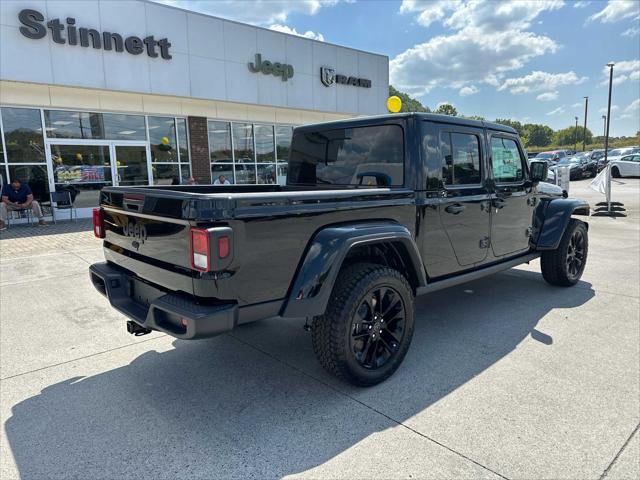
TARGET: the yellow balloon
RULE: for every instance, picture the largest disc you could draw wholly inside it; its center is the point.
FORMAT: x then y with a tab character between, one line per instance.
394	104
164	140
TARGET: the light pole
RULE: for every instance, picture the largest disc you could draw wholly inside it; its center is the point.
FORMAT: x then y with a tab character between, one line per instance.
575	136
606	138
584	132
604	128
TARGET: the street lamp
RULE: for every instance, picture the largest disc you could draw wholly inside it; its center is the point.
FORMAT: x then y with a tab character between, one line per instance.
604	128
575	136
606	138
584	132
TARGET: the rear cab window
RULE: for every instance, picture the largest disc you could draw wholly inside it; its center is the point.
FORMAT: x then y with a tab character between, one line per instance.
356	156
461	159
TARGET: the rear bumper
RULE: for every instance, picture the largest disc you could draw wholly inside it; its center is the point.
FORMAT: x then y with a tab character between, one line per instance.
173	313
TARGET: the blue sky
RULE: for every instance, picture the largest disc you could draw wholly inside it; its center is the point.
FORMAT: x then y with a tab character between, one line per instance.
532	61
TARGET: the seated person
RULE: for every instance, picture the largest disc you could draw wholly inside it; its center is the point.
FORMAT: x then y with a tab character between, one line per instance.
18	196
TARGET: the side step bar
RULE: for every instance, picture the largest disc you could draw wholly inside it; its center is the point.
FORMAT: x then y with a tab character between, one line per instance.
475	275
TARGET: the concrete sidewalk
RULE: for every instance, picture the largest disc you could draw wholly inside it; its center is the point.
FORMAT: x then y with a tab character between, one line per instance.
506	377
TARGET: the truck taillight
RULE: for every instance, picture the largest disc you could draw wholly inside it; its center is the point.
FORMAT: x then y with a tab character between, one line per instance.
200	251
223	247
98	223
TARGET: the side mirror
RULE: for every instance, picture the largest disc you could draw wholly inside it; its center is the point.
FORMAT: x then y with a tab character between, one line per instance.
539	171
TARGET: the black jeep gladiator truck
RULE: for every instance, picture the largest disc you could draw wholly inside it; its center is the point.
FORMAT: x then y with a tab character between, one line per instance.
375	211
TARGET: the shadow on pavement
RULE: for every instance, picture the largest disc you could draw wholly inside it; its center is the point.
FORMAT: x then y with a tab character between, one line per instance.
34	230
222	408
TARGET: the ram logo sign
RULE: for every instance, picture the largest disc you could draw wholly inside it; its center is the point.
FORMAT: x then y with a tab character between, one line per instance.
328	77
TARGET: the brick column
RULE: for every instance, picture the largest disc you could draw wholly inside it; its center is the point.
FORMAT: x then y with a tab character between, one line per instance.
199	143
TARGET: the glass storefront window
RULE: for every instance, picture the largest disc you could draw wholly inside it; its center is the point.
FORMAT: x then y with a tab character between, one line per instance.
124	127
221	169
131	165
281	178
183	142
33	175
82	170
162	137
245	172
23	135
264	143
243	143
267	173
166	174
220	142
96	126
283	142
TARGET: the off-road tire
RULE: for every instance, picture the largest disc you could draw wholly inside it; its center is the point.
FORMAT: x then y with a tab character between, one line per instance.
554	263
331	332
615	172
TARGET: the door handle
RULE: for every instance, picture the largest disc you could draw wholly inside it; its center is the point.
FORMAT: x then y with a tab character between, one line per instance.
455	209
499	203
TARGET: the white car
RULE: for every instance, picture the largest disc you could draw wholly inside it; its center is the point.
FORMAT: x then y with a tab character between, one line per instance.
618	153
627	166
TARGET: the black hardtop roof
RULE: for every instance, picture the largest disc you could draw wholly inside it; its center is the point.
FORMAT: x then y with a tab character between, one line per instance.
358	121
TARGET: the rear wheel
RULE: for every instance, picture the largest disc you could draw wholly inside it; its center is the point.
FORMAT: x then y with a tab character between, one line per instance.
564	265
366	330
615	172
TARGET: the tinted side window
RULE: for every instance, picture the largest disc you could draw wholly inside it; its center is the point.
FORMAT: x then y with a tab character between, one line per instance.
349	156
461	164
506	160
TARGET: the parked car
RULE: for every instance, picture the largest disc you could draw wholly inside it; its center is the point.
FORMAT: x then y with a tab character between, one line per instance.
375	211
618	153
554	155
627	166
580	166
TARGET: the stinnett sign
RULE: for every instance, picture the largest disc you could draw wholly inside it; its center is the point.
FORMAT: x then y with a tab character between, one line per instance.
34	28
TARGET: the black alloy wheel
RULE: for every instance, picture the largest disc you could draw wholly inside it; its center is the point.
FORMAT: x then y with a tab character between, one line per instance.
378	327
575	253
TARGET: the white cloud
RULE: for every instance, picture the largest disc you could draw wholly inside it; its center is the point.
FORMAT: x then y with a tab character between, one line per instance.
631	32
580	4
576	105
260	12
635	105
556	111
466	91
541	81
292	31
616	10
622	71
548	96
488	40
614	108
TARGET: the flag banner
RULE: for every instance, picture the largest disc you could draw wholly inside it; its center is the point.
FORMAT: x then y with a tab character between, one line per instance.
599	183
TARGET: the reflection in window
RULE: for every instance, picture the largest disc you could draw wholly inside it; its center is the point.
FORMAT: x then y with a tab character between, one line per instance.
372	156
183	141
245	172
267	173
166	174
33	175
131	165
506	161
461	163
220	142
23	135
65	124
124	127
82	170
281	177
283	142
162	137
243	142
221	170
264	143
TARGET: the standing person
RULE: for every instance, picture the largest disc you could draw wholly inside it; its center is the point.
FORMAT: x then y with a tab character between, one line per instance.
221	180
18	196
191	181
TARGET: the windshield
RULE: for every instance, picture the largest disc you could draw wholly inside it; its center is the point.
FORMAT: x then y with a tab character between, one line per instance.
617	152
580	156
544	155
568	161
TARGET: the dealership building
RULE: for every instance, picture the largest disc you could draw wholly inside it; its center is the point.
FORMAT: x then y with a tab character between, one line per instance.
102	92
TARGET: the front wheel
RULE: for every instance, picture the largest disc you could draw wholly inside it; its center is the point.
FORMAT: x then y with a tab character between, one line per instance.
564	265
367	328
615	172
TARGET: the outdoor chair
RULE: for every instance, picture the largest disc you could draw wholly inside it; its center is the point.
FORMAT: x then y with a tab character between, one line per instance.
18	214
62	201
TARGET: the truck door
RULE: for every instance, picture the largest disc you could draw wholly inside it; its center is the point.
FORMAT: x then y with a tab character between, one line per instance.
513	200
464	198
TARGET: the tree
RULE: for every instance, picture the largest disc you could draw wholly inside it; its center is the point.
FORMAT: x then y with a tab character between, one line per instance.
408	104
516	125
473	117
571	136
447	109
536	135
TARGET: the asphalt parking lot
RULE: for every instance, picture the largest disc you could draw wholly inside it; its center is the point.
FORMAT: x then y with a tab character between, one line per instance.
507	377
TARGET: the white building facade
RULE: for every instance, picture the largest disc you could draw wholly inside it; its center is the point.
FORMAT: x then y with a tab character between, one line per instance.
104	92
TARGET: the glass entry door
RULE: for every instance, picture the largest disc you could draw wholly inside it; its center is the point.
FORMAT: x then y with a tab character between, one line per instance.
131	165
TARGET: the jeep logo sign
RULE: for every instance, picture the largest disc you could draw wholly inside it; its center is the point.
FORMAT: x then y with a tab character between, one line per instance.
328	77
283	70
135	231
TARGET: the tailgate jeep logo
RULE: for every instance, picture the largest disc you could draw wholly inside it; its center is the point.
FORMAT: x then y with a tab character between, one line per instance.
135	231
